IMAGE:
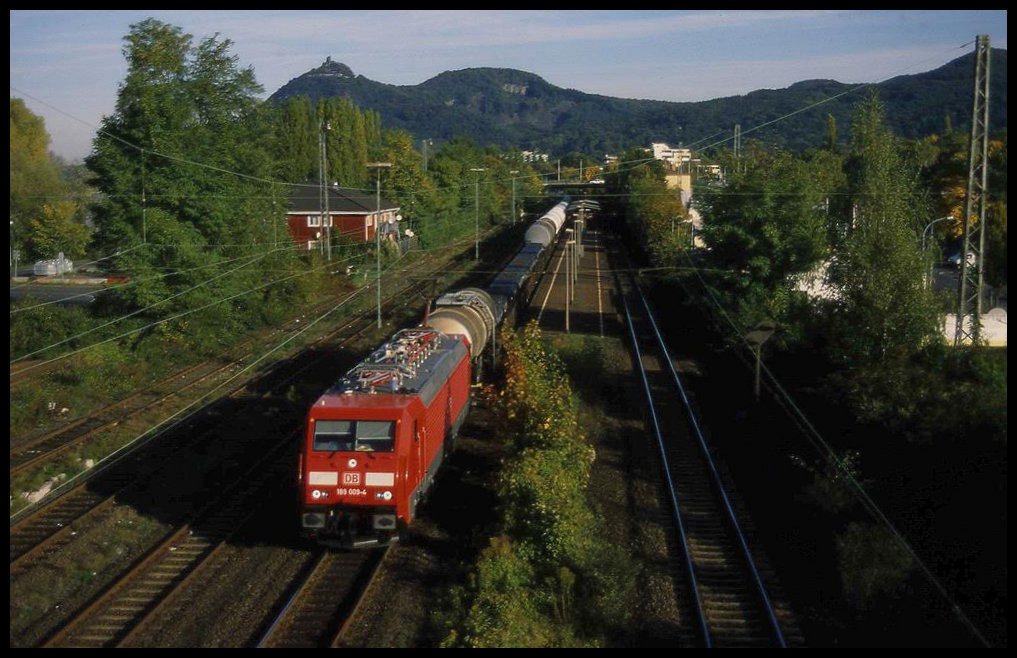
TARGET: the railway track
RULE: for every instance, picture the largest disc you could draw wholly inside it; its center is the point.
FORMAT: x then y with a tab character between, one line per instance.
50	526
51	445
123	609
54	525
318	611
728	589
34	452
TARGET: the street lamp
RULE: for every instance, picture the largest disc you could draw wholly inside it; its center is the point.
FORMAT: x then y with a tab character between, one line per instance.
378	166
925	232
476	217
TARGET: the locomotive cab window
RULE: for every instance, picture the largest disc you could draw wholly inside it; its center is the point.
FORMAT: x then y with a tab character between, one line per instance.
375	436
354	435
334	435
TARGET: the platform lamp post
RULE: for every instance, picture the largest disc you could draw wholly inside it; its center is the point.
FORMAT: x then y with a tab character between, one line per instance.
378	166
580	230
476	214
568	277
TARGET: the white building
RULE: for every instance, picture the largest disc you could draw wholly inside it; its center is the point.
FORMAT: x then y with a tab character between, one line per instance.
674	157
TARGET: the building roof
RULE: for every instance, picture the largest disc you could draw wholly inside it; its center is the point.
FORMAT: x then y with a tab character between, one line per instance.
307	199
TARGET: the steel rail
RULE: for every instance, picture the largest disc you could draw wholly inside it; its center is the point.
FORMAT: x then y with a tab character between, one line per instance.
668	478
715	475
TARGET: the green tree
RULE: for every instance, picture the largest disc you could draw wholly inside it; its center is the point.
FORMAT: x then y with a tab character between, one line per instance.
183	163
295	140
186	116
767	228
995	267
885	309
406	182
56	230
872	563
831	133
35	178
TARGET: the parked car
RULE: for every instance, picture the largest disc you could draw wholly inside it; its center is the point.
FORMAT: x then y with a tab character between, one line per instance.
954	259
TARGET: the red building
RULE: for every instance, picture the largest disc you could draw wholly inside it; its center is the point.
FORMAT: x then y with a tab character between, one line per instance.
352	215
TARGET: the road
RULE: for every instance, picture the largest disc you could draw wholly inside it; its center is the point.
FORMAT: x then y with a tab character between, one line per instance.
66	294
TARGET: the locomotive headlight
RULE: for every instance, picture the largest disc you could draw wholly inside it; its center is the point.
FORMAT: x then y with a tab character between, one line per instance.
383	495
352	463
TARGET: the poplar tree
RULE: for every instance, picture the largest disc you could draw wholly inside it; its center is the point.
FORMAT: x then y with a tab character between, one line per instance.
885	309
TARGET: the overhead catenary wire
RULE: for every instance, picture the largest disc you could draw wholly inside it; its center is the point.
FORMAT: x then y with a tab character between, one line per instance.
825	450
249	262
127	284
183	160
173	317
142	150
98	260
852	90
192	408
306	272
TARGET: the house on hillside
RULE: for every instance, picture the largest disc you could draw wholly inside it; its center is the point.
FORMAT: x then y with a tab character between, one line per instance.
352	214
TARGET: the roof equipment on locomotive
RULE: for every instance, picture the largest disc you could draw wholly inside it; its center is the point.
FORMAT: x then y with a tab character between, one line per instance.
375	440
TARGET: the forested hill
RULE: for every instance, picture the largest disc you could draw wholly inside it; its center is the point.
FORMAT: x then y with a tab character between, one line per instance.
516	108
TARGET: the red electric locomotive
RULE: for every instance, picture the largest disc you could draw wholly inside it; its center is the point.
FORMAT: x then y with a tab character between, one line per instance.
375	440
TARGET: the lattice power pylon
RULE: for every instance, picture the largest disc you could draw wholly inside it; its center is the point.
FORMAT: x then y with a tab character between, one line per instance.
972	264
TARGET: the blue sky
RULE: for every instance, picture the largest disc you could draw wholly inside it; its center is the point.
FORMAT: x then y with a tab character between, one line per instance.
71	61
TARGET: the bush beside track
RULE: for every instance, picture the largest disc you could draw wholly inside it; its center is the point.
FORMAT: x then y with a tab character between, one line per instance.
548	577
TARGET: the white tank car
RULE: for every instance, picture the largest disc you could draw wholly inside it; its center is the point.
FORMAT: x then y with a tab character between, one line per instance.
547	227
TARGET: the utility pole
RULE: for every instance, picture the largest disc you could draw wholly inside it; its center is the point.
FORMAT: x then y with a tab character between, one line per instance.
476	216
326	218
969	288
514	172
424	143
378	166
144	228
755	338
738	141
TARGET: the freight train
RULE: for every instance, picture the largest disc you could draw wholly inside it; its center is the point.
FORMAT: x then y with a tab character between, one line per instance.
375	440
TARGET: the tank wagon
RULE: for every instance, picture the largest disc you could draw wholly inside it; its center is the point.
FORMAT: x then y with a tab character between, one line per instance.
375	440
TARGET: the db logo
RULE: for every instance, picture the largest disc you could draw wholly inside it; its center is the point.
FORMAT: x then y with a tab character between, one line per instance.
351	478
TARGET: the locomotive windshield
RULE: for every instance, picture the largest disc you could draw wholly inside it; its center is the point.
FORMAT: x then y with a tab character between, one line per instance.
354	435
